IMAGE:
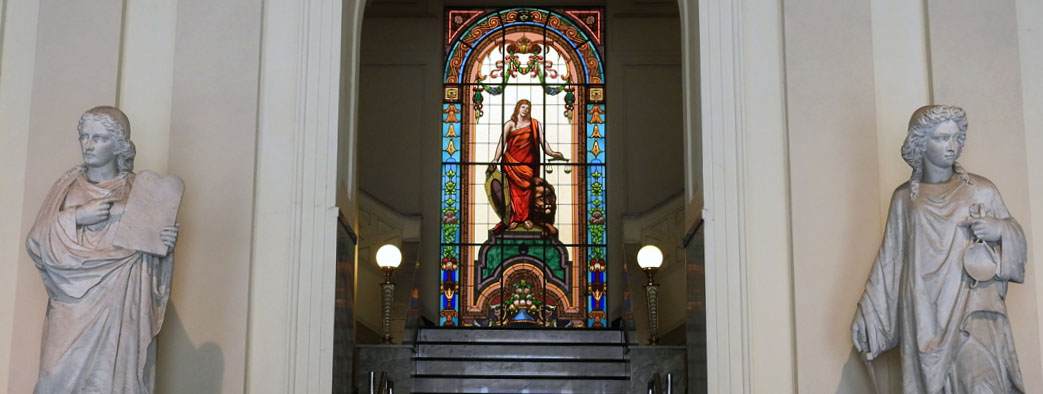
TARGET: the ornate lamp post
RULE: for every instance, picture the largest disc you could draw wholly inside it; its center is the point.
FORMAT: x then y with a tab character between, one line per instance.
650	258
388	258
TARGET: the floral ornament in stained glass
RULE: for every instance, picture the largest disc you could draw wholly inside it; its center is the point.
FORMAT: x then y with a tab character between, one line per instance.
450	188
452	148
450	112
449	264
595	134
595	114
597	217
597	265
596	150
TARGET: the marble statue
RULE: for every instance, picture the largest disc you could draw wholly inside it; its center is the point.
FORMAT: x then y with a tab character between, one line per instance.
105	303
937	287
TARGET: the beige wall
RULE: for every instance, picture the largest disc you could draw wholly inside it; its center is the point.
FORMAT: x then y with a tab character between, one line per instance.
833	188
146	77
76	68
17	56
1030	43
212	142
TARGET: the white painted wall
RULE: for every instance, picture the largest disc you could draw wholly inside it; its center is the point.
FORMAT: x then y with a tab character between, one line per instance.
770	268
289	342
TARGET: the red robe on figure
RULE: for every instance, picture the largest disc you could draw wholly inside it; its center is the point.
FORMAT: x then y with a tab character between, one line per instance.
521	148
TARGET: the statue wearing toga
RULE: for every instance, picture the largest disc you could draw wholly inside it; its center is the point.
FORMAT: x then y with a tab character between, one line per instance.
937	287
105	304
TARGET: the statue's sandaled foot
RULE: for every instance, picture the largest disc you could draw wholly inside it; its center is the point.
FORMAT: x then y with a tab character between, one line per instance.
513	226
528	224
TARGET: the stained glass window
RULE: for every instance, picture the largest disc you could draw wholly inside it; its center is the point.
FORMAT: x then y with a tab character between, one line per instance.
523	169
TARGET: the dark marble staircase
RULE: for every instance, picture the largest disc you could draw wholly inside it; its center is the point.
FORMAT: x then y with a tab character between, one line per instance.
505	360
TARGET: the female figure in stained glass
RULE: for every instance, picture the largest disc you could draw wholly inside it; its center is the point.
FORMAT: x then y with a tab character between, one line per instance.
518	148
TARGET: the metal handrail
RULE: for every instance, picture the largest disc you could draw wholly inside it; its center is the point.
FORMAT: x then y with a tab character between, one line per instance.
656	387
384	386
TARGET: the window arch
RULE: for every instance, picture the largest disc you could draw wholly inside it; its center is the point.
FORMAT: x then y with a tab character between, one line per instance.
523	168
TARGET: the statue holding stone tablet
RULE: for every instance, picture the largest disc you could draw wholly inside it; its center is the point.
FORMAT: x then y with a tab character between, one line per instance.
937	288
103	242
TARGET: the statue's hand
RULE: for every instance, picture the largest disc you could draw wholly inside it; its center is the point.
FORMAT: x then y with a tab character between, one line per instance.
169	236
94	211
859	334
985	228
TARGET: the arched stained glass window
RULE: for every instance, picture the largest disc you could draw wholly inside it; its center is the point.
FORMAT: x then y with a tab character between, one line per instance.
523	169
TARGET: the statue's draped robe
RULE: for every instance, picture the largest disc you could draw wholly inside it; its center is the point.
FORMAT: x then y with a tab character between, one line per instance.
954	338
105	304
520	156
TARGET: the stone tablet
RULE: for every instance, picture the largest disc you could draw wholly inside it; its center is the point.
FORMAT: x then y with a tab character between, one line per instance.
152	205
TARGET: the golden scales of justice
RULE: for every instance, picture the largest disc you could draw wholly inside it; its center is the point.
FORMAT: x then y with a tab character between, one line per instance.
498	188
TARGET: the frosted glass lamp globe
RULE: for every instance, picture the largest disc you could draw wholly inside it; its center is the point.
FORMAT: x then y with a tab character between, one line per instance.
388	256
649	257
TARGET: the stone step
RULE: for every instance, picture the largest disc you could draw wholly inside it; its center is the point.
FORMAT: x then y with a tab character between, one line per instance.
517	384
543	367
481	335
519	351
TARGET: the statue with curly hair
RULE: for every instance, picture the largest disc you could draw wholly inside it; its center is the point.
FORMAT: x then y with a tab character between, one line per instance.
936	290
105	303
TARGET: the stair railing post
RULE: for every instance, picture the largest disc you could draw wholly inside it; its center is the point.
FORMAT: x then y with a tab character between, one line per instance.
372	387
